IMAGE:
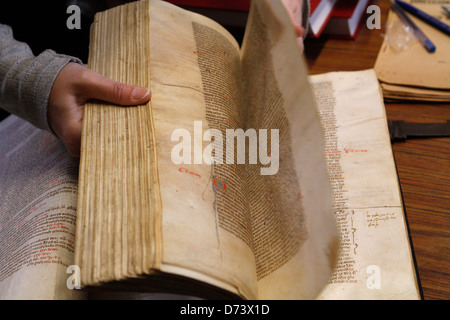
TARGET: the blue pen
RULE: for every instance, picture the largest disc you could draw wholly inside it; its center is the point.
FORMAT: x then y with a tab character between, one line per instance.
425	17
417	32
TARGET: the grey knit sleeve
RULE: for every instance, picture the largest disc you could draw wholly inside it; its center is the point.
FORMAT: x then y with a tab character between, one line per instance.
26	80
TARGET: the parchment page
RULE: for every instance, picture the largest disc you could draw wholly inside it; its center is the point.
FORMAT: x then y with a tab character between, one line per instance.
195	84
38	191
375	260
293	227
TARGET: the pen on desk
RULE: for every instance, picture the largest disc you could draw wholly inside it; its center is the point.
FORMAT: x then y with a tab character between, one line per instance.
425	17
417	32
446	9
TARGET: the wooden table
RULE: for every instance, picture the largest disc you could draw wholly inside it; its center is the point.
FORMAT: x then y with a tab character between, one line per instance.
423	164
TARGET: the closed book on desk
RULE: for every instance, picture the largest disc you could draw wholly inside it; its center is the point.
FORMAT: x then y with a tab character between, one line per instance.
320	14
346	18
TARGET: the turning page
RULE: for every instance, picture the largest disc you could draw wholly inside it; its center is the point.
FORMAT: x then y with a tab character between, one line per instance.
294	232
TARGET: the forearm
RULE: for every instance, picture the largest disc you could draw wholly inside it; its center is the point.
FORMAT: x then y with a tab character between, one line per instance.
26	80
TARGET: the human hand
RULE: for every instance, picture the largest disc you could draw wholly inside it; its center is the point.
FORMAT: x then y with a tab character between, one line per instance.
295	10
73	87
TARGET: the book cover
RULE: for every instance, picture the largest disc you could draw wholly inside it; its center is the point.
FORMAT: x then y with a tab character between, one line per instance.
346	18
320	14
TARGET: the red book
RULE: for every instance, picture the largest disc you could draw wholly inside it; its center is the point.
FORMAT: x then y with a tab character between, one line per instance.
239	5
319	15
313	4
346	18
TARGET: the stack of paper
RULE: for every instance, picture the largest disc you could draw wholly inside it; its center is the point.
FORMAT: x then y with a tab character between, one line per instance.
412	73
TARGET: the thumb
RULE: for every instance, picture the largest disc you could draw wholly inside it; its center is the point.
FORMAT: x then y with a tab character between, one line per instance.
102	88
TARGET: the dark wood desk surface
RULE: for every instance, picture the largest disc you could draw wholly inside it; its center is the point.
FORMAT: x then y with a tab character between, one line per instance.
423	164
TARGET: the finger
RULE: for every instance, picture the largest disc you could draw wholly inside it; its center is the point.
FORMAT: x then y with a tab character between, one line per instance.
102	88
301	44
299	30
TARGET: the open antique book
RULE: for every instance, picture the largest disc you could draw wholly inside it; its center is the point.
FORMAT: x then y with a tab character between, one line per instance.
152	209
155	214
